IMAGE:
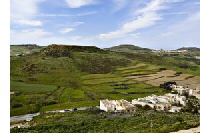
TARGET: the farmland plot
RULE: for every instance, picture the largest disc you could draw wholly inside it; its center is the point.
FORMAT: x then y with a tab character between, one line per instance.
169	75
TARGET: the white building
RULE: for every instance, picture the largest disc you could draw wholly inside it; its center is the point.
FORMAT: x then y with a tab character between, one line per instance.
176	98
116	105
161	103
174	109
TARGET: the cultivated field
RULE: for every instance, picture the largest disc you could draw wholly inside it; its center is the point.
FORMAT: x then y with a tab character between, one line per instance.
169	75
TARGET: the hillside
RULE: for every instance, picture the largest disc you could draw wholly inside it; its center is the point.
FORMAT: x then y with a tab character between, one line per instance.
24	49
129	48
60	77
190	49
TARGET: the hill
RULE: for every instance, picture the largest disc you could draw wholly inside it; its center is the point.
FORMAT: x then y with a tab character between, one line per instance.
66	50
129	48
190	49
60	77
24	49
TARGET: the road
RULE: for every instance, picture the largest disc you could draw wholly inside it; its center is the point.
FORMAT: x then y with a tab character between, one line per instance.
29	117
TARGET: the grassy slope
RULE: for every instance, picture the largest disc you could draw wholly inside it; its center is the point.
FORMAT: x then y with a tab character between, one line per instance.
23	49
83	80
172	63
88	122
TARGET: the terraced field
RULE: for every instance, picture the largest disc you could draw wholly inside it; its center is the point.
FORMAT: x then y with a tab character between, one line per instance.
169	75
60	77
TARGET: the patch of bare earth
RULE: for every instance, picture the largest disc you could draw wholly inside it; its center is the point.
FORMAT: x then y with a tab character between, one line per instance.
169	75
192	130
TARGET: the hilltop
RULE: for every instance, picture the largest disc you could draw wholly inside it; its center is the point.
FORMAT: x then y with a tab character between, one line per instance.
24	49
190	49
66	50
129	48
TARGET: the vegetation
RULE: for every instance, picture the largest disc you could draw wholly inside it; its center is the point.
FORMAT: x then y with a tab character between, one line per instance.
20	50
94	120
60	76
129	48
190	49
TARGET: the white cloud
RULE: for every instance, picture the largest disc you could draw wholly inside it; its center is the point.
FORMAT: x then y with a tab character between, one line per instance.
38	36
135	35
66	30
86	13
26	36
24	11
30	22
196	3
143	21
147	16
67	15
79	3
76	37
183	33
153	6
188	26
166	34
75	24
119	4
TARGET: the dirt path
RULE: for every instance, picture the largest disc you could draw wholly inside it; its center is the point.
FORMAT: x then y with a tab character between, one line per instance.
192	130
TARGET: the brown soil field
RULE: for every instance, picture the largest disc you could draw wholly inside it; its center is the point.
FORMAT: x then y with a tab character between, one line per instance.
189	80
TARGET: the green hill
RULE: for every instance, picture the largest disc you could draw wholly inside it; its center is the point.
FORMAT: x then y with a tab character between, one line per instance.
24	49
60	77
190	49
129	48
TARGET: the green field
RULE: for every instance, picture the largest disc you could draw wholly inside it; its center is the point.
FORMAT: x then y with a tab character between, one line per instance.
60	77
31	88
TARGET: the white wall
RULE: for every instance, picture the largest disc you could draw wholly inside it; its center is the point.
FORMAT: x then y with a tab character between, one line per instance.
102	107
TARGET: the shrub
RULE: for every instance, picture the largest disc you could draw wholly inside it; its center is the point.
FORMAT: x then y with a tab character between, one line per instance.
180	119
184	66
162	69
146	107
17	93
16	104
94	110
178	73
138	106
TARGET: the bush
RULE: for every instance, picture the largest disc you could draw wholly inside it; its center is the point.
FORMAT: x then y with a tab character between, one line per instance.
94	110
16	104
17	93
34	108
146	107
184	66
174	92
138	106
162	69
180	119
178	73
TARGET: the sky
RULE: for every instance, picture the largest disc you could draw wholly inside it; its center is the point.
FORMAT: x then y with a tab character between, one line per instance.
155	24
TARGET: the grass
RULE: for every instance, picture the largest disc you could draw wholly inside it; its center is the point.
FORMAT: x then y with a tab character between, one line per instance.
138	69
68	105
97	76
24	49
91	121
31	88
84	79
102	80
69	94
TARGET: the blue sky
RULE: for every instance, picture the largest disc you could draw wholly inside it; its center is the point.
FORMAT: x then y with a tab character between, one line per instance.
156	24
